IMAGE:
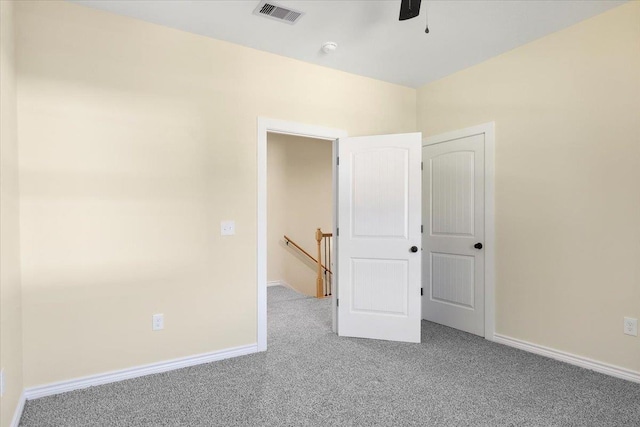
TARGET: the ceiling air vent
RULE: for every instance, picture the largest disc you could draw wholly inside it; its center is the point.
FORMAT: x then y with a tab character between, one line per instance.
271	10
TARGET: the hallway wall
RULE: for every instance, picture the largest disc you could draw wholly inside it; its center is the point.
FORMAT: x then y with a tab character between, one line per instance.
299	192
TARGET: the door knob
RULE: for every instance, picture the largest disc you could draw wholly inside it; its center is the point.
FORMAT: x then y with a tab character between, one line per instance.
414	249
478	246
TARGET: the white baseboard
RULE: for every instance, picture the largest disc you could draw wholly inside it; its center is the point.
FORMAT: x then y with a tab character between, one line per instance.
18	412
583	362
279	283
138	371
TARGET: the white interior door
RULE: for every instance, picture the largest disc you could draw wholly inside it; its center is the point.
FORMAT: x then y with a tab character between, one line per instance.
378	242
453	238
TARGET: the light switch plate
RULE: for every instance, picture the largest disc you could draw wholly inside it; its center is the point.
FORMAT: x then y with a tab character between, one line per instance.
228	228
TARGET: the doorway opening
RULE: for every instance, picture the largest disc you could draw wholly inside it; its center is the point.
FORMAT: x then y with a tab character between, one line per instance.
266	127
299	214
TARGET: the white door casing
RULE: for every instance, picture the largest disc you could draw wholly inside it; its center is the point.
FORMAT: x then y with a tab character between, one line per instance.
379	218
455	208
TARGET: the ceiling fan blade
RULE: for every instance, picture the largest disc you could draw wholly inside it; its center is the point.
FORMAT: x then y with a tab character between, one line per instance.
409	9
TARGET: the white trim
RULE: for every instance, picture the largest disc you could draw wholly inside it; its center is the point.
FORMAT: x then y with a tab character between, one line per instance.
488	129
266	125
334	246
15	422
279	283
138	371
489	231
572	359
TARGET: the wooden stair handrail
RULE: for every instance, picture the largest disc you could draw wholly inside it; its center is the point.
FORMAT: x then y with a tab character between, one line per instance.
323	285
288	240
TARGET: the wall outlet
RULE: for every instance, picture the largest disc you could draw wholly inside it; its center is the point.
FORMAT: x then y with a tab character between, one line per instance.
1	382
631	326
157	322
228	228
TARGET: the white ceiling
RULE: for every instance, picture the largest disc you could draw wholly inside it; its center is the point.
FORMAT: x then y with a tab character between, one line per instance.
371	40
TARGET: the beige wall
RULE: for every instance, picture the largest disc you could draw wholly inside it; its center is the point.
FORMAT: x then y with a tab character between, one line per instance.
299	189
136	141
10	292
567	115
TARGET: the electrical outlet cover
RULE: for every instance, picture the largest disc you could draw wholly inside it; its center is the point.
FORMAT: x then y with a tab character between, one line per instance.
631	326
157	322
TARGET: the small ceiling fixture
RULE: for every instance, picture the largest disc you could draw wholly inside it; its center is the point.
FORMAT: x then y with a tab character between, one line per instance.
328	47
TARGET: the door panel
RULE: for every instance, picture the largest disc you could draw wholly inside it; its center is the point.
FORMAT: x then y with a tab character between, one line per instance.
453	209
452	279
380	202
380	286
379	215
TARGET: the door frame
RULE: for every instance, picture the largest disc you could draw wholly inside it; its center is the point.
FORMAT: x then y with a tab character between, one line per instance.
264	126
488	130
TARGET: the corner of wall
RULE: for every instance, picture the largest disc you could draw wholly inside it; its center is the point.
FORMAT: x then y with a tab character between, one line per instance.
12	401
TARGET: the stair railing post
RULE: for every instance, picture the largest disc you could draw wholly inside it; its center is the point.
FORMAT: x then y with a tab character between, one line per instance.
328	261
319	278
